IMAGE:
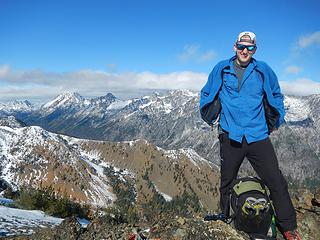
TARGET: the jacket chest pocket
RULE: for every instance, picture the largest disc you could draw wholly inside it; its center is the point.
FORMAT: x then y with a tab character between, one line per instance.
230	82
254	86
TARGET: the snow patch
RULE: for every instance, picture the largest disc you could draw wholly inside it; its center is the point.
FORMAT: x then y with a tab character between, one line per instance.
167	107
191	154
297	109
99	184
17	221
167	197
146	105
118	104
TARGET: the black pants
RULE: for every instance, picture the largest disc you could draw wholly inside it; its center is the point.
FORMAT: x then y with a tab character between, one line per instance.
263	159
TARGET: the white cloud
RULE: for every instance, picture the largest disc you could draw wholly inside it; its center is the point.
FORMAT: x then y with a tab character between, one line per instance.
293	69
39	84
43	85
207	56
192	53
301	86
4	69
311	39
25	92
189	52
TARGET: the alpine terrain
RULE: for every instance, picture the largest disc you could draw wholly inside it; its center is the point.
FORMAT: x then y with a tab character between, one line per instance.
171	121
147	166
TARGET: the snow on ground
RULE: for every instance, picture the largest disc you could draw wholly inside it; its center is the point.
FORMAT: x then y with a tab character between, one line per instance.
167	107
185	92
118	104
191	154
164	195
100	183
23	139
17	221
146	104
297	109
194	156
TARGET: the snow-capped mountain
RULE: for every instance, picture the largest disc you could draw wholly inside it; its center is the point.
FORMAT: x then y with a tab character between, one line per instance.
11	122
35	157
65	100
303	111
297	108
172	121
75	100
17	105
104	100
14	107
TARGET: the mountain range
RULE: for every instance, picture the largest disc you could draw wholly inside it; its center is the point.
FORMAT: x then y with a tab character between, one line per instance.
171	121
151	156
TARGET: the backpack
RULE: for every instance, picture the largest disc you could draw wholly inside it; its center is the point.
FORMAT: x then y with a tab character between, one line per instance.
251	208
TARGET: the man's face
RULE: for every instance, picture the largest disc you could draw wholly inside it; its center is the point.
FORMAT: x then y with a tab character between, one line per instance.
243	54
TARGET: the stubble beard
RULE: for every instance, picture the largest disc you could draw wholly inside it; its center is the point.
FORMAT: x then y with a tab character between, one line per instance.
243	61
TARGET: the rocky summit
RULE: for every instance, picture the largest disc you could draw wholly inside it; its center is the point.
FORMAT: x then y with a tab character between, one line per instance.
111	227
106	228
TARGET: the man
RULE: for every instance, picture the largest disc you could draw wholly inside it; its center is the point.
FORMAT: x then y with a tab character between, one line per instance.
243	96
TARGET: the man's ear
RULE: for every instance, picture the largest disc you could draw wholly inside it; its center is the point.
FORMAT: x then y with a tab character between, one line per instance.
254	51
234	48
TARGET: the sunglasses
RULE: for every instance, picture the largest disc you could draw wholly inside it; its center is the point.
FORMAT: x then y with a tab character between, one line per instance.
242	47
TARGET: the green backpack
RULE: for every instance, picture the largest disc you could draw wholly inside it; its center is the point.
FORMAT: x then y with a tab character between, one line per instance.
251	208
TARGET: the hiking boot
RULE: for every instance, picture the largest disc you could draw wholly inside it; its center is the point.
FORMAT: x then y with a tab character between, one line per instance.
292	235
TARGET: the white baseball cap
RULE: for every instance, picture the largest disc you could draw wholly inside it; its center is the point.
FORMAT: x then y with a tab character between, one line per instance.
251	35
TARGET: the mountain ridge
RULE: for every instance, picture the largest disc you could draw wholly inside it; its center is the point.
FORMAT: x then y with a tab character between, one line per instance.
171	121
85	169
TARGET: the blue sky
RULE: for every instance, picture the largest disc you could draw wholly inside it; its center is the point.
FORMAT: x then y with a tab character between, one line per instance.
94	47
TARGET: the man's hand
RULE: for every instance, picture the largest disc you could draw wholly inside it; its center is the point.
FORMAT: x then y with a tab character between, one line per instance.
216	121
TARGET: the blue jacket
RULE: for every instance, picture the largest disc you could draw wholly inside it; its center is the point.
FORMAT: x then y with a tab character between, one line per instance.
210	106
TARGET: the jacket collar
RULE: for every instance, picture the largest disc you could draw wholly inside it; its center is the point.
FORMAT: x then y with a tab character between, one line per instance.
229	68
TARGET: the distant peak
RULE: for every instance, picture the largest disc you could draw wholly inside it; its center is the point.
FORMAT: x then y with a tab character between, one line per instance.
18	104
70	95
65	99
12	122
26	102
176	92
109	96
185	92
